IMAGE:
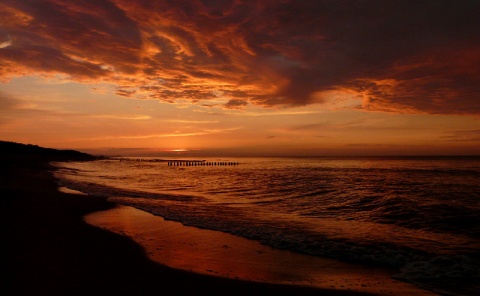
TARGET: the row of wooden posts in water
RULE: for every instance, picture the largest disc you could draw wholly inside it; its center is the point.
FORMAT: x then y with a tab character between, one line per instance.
183	162
201	163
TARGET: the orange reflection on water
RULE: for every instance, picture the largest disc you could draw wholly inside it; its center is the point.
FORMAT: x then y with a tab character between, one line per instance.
221	254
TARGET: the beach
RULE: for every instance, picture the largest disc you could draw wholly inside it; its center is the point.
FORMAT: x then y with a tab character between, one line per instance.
221	254
48	249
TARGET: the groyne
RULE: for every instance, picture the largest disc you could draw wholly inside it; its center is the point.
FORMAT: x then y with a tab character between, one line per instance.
181	162
201	163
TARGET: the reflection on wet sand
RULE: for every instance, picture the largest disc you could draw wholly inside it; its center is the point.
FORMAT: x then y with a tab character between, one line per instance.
221	254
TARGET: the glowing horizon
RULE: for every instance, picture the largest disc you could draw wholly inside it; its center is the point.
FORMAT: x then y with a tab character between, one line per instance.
262	78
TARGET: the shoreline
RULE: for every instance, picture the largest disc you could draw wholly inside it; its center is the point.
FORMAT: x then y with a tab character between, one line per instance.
49	250
225	255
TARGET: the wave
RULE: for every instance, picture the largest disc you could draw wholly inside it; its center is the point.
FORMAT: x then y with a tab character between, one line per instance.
415	220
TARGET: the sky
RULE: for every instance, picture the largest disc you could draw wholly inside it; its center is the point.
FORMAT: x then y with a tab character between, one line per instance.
242	77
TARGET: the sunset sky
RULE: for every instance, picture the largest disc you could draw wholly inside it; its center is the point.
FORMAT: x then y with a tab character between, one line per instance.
241	77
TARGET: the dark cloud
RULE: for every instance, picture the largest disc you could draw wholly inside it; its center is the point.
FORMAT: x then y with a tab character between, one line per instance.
78	38
235	104
125	92
399	56
427	49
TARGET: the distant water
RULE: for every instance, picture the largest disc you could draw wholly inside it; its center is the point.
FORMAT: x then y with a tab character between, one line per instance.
419	215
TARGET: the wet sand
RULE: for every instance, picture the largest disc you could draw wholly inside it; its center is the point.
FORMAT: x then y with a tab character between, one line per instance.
221	254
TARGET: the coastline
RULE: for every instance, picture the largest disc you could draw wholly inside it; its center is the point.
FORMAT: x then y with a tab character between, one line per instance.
48	249
225	255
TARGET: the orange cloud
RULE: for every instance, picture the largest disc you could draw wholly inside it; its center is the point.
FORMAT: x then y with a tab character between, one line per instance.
263	53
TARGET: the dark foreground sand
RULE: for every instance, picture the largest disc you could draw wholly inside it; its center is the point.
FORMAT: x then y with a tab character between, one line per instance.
48	249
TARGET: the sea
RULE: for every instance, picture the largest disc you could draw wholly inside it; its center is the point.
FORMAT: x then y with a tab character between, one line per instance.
417	215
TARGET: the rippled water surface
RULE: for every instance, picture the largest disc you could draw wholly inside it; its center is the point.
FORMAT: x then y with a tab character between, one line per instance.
420	215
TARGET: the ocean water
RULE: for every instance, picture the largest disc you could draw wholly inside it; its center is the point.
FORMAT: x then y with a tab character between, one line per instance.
419	215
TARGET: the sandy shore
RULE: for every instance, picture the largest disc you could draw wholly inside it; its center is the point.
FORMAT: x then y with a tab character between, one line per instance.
48	249
216	253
